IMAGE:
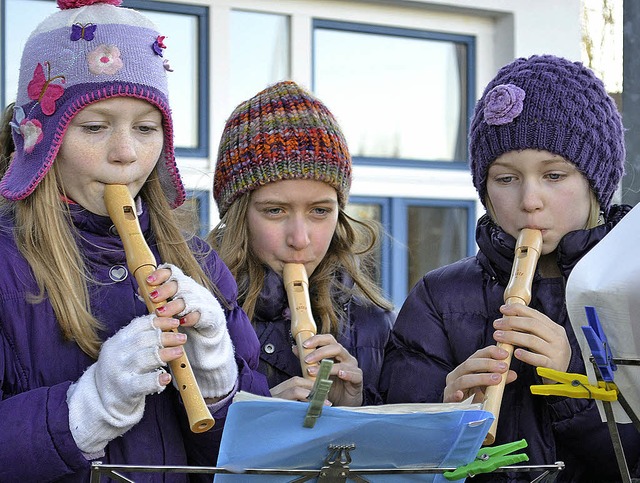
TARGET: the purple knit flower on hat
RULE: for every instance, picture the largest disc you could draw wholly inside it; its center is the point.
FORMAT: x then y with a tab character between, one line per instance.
503	104
104	59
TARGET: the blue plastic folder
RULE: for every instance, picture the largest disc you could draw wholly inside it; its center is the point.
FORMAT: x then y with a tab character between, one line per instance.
268	433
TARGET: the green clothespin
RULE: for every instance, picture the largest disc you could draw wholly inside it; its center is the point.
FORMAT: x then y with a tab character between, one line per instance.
318	393
489	459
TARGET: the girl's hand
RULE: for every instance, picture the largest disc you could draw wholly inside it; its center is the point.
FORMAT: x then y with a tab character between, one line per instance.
347	386
294	389
109	397
471	378
539	341
208	344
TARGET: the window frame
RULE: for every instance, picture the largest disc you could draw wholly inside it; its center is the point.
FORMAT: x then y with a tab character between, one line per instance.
399	230
203	198
394	269
470	90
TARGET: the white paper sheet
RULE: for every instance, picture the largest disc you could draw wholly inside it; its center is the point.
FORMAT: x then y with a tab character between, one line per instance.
608	278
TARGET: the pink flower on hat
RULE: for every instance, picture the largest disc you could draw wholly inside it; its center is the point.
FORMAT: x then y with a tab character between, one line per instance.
31	130
503	104
104	59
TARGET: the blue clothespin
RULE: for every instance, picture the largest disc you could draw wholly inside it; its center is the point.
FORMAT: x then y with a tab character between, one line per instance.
318	393
490	459
600	349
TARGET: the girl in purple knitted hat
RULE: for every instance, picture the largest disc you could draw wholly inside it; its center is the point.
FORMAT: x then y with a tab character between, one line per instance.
281	183
547	153
82	362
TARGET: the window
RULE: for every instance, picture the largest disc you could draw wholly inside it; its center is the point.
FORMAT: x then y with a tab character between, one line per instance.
259	53
193	215
398	93
421	235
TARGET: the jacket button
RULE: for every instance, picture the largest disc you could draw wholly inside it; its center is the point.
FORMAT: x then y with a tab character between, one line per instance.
269	348
118	273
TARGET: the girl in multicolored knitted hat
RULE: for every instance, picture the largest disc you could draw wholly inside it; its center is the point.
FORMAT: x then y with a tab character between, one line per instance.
281	184
82	362
547	153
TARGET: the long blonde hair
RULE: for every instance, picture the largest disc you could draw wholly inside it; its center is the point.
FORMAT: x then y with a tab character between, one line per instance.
45	235
351	250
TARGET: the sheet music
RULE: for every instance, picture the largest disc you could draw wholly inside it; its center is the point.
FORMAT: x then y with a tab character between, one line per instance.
608	278
382	409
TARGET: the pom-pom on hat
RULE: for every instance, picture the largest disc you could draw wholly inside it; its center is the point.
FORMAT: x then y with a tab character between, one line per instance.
283	132
89	51
549	103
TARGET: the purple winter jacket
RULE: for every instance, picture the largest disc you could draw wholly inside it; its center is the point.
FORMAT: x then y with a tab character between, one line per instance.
37	366
449	315
364	336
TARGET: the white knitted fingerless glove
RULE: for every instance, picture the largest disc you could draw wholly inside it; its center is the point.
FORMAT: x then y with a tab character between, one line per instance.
208	347
109	397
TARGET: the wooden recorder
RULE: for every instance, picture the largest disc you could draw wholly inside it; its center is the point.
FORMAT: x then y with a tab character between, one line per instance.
518	291
303	326
142	263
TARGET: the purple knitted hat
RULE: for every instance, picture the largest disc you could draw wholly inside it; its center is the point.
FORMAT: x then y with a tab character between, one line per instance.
547	102
87	52
283	132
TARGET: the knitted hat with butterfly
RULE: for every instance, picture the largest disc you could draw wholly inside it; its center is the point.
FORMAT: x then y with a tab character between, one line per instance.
89	51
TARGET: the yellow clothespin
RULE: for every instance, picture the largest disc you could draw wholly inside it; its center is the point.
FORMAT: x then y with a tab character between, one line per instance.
574	386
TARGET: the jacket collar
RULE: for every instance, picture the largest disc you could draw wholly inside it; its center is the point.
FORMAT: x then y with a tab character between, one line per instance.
497	247
272	303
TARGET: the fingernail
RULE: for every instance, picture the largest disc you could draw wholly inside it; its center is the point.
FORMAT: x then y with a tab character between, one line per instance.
498	334
165	378
177	351
161	309
153	294
183	320
502	366
181	337
340	374
496	377
151	278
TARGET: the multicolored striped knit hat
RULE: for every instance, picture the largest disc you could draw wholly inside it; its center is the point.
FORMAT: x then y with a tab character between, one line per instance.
549	103
283	132
89	51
